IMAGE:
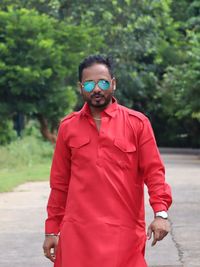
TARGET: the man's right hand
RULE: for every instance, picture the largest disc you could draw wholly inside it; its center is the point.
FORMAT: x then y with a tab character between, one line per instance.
50	246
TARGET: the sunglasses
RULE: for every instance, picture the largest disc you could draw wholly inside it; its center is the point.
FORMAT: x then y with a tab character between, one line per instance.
88	86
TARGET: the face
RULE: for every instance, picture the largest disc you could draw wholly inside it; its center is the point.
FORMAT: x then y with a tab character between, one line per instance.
97	98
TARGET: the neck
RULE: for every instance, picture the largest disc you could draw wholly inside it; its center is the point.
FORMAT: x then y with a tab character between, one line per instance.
96	112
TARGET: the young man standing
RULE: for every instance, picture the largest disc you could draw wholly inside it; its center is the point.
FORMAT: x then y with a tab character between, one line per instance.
104	155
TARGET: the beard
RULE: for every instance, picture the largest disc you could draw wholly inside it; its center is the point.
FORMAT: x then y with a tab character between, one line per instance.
98	100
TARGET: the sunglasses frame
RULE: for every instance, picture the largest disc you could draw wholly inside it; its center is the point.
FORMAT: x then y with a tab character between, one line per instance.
96	83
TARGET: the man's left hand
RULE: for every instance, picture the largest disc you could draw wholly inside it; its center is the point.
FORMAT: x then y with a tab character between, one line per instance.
160	228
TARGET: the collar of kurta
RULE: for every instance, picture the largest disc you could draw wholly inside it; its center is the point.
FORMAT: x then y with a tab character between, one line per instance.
110	110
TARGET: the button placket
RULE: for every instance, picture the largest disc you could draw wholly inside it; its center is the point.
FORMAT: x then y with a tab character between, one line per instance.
99	151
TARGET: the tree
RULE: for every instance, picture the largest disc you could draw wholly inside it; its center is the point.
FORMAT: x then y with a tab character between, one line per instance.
141	37
38	60
181	94
187	12
152	43
149	41
179	90
50	7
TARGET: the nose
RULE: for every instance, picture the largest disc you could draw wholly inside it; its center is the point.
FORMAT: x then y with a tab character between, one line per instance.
96	89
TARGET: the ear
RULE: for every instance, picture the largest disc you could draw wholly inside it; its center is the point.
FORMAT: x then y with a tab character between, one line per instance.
79	86
114	83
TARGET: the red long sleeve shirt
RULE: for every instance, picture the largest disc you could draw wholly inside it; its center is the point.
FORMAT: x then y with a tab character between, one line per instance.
117	161
99	176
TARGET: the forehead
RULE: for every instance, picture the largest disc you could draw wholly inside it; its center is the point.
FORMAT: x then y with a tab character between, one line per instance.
95	72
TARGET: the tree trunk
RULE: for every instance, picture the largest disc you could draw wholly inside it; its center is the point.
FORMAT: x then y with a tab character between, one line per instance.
46	133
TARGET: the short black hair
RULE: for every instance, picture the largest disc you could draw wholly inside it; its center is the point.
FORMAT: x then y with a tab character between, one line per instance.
93	59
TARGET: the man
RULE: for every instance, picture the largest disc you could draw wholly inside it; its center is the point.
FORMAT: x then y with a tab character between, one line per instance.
104	155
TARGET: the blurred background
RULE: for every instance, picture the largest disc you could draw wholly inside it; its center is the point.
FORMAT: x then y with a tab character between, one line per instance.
155	46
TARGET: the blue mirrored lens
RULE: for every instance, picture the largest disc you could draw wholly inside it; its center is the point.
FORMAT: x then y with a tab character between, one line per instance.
88	86
103	84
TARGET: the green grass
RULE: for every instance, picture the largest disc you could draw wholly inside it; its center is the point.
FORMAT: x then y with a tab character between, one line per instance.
11	178
24	160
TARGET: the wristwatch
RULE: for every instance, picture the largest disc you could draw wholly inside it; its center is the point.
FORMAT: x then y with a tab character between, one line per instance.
162	214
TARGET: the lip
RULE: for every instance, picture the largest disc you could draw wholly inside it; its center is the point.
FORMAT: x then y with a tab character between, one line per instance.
97	97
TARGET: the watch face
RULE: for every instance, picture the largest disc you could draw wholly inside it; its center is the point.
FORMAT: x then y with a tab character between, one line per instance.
162	214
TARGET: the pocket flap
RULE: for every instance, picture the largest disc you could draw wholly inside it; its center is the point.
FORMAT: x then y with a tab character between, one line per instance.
77	142
124	146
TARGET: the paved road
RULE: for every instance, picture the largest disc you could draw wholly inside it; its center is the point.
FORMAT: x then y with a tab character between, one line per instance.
22	215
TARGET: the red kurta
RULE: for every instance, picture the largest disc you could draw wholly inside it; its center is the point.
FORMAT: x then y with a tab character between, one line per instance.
97	188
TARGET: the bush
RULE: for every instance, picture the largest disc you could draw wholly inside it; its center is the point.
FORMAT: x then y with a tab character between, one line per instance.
26	151
7	133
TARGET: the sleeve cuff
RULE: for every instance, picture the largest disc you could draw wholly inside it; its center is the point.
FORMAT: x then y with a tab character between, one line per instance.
159	207
51	227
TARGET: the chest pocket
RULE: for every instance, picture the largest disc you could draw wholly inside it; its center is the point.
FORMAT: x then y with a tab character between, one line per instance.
78	142
124	146
124	152
79	147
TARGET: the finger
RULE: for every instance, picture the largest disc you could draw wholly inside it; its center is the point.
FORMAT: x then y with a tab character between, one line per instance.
47	254
51	257
149	233
154	242
55	249
156	235
53	253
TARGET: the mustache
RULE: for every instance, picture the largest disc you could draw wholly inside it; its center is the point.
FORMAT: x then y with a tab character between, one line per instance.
97	94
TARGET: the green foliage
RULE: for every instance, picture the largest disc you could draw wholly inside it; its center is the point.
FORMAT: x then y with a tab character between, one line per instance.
141	36
25	152
153	44
187	12
181	92
50	7
38	60
10	178
25	159
7	134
